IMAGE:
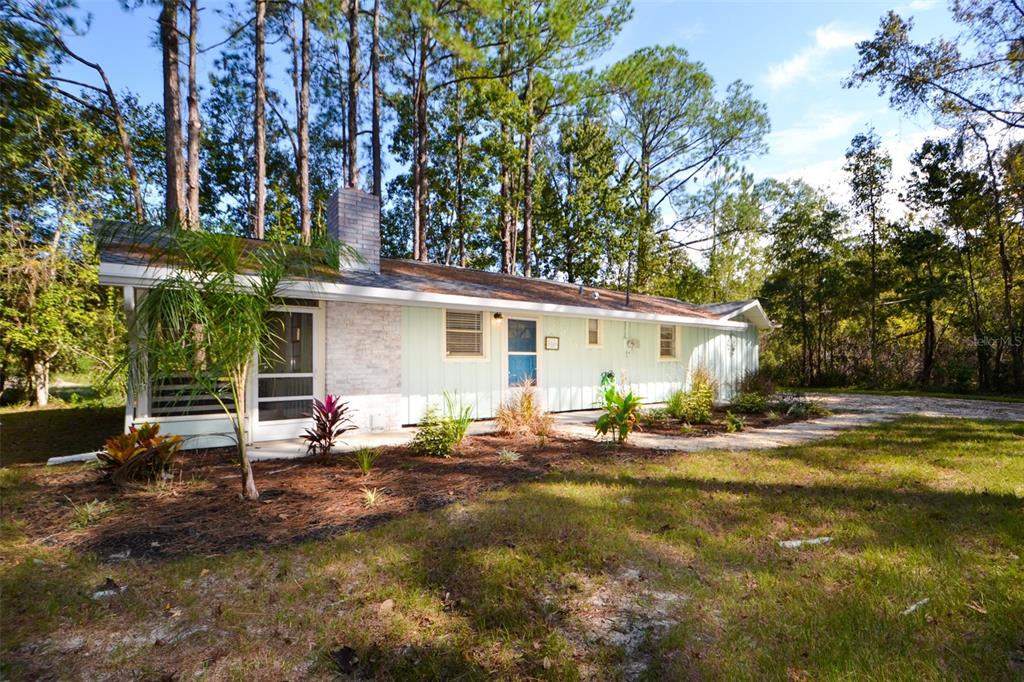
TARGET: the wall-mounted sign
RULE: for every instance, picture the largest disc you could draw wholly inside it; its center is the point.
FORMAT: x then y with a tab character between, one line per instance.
551	343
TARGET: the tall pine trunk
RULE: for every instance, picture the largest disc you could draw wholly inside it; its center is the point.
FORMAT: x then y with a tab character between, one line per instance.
305	213
375	143
353	93
194	123
174	190
422	188
528	172
260	122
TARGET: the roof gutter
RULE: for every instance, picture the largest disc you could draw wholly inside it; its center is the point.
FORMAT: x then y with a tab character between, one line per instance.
119	274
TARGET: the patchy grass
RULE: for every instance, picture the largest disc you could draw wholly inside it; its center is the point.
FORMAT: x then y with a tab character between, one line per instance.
36	434
995	397
634	565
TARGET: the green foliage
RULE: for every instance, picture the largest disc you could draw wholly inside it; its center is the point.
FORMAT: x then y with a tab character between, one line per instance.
750	403
371	496
796	406
439	434
734	422
88	513
140	454
676	402
507	456
364	459
654	417
619	414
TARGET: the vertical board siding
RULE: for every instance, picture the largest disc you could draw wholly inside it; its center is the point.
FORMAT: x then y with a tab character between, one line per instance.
570	376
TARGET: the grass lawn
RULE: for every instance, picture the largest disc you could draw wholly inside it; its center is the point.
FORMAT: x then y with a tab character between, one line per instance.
35	435
632	565
912	392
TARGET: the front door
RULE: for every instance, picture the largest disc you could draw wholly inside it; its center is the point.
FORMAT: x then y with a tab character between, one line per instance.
285	385
522	352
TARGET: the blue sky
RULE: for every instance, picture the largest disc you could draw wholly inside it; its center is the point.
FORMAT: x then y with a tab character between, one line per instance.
794	54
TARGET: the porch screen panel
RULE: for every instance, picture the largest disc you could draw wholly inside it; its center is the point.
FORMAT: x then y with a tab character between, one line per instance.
285	381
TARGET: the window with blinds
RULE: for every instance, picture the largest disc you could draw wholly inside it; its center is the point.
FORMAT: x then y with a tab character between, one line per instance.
463	334
667	349
593	332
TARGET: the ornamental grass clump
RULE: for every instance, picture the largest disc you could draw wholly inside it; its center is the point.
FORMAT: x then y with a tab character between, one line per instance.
521	415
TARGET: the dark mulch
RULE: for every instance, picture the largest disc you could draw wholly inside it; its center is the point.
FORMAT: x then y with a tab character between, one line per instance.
201	512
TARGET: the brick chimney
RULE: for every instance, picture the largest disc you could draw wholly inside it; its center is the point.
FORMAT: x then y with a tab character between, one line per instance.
353	217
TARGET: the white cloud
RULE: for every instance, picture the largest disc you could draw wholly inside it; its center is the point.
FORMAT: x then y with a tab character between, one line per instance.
806	137
688	32
922	5
828	175
800	66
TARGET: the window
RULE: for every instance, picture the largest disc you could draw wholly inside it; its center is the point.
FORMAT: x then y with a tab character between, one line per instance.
593	332
667	347
463	334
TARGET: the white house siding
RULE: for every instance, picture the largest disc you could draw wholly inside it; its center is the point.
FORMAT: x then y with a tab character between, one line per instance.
570	376
364	344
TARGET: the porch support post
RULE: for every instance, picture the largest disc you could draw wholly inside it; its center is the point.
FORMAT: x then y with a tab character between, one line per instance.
129	311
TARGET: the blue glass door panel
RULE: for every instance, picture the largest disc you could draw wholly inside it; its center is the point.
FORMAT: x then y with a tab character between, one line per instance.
522	351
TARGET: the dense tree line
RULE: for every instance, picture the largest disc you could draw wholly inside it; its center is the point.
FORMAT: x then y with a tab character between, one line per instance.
493	143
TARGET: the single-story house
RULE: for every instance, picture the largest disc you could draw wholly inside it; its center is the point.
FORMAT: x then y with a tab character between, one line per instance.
393	336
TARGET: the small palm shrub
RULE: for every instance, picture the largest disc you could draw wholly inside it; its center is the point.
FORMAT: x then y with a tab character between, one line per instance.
750	403
140	454
440	433
734	422
521	415
365	458
330	420
619	415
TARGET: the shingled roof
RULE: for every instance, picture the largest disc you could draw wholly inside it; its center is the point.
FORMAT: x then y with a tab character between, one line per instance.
431	278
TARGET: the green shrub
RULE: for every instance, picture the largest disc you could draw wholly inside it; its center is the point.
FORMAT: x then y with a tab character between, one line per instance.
619	414
700	400
750	403
734	422
654	417
439	434
796	406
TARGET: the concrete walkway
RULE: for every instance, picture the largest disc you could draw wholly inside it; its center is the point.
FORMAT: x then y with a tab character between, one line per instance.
856	410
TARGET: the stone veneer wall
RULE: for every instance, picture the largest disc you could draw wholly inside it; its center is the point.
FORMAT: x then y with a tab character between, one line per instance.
353	217
364	367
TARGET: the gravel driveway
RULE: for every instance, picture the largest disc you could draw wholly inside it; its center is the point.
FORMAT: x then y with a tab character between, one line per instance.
854	410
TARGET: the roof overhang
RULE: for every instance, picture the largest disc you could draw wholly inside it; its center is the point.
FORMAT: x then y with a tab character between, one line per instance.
120	274
754	314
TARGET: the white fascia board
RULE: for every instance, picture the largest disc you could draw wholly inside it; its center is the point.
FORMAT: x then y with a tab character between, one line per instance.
756	311
118	274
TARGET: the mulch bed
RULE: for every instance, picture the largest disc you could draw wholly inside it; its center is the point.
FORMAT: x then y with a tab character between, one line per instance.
673	427
201	512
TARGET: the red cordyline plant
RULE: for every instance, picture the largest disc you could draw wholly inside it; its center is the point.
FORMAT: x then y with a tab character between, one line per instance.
330	421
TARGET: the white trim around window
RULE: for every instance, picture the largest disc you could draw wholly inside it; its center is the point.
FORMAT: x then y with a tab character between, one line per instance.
665	341
595	332
465	335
